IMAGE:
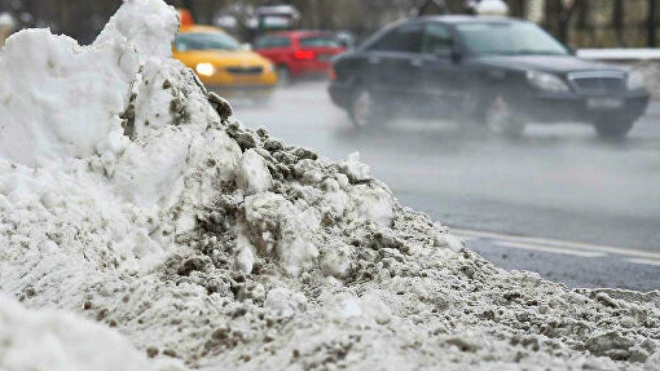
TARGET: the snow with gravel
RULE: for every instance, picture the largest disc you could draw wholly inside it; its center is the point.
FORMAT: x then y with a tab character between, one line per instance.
143	225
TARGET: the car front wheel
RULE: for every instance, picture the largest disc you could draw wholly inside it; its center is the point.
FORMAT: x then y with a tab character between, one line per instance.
501	119
364	110
613	128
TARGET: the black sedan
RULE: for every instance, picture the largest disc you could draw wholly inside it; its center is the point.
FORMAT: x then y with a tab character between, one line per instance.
501	73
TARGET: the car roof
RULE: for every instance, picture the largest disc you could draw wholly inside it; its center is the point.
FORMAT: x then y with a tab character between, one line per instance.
200	29
300	33
454	19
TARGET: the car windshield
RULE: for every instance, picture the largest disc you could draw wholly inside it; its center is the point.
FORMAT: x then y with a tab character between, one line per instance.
499	38
205	41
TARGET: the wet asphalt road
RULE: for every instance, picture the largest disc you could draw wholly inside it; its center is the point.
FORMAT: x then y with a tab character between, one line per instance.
558	182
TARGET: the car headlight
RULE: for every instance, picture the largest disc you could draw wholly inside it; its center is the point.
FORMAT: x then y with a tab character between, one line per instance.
205	69
635	81
547	81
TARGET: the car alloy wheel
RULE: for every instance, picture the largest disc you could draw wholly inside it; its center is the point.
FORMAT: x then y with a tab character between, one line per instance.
363	108
502	120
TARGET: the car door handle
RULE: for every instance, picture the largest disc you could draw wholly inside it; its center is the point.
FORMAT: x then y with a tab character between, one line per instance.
416	63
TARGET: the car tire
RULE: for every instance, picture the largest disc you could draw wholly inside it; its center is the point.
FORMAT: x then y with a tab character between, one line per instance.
284	77
365	112
613	128
501	119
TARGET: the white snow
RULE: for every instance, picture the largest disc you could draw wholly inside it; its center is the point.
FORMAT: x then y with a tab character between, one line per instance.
252	174
57	100
126	198
355	169
145	25
53	341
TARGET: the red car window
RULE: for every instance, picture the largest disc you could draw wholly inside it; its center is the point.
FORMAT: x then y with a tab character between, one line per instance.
271	42
320	41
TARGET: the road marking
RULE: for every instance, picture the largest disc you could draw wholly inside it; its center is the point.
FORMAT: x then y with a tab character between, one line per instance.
558	243
644	261
553	250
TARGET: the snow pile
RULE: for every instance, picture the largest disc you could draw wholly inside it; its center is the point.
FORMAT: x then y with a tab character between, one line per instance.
145	208
51	341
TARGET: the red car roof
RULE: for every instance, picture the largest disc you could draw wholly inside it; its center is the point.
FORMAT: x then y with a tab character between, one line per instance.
301	33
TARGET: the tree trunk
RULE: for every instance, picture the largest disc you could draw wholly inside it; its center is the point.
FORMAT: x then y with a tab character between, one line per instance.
651	36
618	15
558	17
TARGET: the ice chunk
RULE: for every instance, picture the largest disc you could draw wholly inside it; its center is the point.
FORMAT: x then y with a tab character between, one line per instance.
252	174
354	169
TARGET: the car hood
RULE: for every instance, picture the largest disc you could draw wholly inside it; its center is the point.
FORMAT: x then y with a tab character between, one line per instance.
223	58
553	63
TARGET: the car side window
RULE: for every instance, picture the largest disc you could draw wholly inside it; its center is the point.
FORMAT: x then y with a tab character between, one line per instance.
280	42
406	38
437	39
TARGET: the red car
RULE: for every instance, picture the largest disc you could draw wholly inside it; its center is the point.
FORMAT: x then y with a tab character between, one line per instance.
299	53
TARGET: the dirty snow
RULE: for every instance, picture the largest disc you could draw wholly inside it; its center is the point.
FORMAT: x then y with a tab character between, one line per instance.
129	197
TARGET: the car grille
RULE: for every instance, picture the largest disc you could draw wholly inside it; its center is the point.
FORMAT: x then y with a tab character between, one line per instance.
245	70
609	82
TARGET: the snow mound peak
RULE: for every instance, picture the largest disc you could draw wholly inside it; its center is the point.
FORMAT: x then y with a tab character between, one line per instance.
59	99
146	25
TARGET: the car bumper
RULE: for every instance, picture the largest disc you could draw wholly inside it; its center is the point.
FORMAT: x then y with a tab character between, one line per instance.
563	107
311	68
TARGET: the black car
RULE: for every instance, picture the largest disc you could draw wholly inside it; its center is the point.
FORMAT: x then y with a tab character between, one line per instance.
499	72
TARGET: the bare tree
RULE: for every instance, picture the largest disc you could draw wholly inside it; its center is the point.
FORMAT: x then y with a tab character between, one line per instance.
518	8
558	16
651	28
618	16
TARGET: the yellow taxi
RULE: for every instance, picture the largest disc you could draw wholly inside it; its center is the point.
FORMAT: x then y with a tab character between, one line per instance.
223	64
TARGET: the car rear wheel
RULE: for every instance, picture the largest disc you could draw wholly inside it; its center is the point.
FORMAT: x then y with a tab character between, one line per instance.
613	128
284	77
501	119
364	110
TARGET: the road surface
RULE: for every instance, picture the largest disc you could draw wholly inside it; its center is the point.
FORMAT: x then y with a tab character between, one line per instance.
582	203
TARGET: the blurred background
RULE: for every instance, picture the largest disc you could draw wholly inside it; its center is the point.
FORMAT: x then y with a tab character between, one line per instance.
581	23
558	200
